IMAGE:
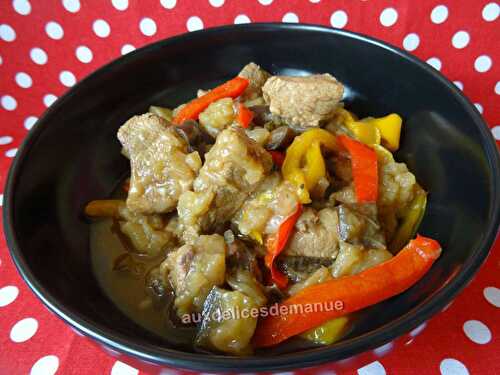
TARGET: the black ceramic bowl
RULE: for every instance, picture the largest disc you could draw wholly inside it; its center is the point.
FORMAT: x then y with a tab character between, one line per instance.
72	156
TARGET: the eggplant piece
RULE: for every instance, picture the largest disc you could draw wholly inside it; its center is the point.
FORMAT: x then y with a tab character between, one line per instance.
229	322
280	137
358	225
299	268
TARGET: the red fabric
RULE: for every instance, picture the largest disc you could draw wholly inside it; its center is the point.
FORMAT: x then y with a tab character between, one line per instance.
442	339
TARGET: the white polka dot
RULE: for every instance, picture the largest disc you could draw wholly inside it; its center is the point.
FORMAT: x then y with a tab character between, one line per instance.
147	26
5	140
7	33
120	368
120	4
1	60
266	2
497	88
54	30
477	331
290	17
1	204
22	7
8	102
8	294
241	18
451	366
439	14
29	122
435	63
415	332
459	84
47	365
126	48
72	6
49	99
314	1
388	17
39	56
11	153
101	28
194	23
483	63
479	107
338	19
23	80
84	54
374	368
496	134
384	349
67	78
491	12
216	3
411	42
23	330
169	4
460	39
491	293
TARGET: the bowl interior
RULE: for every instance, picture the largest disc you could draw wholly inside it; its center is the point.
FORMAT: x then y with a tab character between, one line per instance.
73	156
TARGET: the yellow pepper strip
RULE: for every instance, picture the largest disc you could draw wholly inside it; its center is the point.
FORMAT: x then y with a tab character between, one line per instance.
365	132
384	156
390	129
329	332
304	165
256	236
410	223
372	130
315	165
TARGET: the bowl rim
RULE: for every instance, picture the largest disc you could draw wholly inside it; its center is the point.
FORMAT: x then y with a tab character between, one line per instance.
170	357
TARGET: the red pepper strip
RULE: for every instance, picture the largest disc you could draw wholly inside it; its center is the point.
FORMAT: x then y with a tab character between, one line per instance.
277	242
245	116
364	169
278	157
230	89
352	293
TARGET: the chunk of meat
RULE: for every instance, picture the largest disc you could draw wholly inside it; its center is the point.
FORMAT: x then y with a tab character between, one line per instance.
319	276
159	163
234	167
256	77
303	102
316	234
194	270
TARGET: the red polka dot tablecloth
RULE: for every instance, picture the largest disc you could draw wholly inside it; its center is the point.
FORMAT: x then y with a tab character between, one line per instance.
48	45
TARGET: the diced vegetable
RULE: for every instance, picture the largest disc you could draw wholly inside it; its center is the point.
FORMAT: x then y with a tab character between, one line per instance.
410	223
104	208
364	169
228	323
166	113
245	116
277	242
306	177
230	89
347	294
